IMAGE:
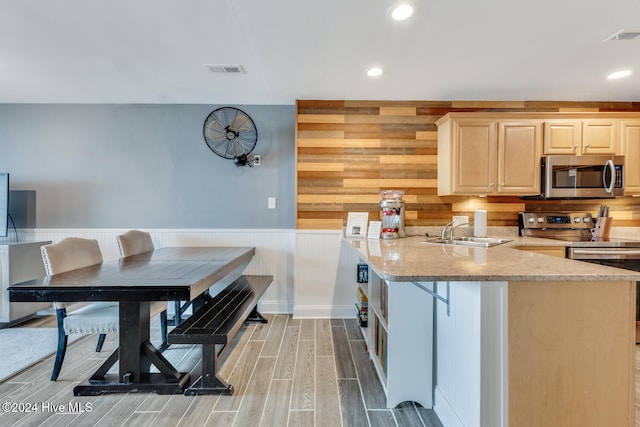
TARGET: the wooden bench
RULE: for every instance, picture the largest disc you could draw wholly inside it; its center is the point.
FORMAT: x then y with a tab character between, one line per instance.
216	323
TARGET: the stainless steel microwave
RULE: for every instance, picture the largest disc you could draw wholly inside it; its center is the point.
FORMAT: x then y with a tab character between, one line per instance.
586	176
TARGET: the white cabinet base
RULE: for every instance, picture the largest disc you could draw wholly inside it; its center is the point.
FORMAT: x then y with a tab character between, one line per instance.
410	341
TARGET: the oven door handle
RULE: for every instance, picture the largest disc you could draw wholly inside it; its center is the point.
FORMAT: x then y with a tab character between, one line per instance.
613	252
612	168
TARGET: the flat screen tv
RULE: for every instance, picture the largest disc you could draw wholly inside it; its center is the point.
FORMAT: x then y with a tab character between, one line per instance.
4	204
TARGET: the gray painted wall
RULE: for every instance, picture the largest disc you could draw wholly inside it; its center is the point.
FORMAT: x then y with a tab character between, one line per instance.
145	166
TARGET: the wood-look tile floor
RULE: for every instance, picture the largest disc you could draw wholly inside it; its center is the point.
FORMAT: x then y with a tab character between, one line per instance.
289	372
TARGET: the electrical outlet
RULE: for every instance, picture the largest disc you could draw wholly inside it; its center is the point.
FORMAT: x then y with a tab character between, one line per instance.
271	203
460	219
256	160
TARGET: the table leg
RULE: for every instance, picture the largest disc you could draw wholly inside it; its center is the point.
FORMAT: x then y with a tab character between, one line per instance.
134	331
135	355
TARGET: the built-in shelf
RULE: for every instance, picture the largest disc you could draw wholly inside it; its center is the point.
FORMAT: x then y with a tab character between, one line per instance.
399	336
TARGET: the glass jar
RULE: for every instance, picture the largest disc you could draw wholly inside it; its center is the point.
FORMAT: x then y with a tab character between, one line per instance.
392	214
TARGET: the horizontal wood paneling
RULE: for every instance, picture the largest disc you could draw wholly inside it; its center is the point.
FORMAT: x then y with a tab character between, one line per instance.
348	151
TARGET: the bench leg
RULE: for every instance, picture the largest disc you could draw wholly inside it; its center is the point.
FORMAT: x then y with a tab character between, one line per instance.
209	382
255	316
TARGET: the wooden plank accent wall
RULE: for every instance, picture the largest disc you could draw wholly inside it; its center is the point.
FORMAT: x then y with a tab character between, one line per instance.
349	151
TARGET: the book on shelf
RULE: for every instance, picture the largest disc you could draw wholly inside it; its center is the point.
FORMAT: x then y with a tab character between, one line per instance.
384	297
360	309
363	316
376	341
362	297
363	273
383	350
380	344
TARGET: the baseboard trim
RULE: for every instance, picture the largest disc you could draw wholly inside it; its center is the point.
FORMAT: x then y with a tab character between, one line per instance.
324	311
275	307
445	411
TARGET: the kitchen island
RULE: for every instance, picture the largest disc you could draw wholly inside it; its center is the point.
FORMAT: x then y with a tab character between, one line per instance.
500	336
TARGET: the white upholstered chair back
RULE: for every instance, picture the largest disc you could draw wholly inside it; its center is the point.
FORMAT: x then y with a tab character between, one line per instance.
101	318
70	254
134	242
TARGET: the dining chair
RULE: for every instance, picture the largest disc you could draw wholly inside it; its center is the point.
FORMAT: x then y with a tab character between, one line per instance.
94	318
135	242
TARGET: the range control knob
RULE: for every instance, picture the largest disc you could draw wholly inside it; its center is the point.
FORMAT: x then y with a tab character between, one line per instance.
540	219
586	219
531	220
576	219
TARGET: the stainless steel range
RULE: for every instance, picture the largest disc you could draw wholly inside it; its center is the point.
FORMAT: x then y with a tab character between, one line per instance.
578	228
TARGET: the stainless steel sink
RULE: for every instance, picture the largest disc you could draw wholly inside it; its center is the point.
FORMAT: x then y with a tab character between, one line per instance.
490	241
478	242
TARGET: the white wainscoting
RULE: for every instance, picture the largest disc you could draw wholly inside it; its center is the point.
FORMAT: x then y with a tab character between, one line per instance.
274	252
325	275
322	269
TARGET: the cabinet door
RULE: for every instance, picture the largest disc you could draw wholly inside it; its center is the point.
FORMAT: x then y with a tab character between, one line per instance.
599	136
630	148
562	136
519	153
474	157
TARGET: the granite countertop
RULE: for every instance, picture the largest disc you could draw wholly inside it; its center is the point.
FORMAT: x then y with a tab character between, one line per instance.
410	259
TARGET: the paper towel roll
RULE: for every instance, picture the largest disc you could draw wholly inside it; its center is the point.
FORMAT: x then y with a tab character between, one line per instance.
480	223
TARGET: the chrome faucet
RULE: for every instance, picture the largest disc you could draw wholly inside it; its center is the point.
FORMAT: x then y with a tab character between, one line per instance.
452	228
443	233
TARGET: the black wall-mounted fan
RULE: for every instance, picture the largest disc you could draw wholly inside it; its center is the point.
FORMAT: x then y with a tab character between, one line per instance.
231	134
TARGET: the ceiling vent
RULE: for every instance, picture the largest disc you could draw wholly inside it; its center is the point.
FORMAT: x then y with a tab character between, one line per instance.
624	35
216	68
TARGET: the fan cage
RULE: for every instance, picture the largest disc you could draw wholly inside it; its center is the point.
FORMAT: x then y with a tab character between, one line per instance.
230	132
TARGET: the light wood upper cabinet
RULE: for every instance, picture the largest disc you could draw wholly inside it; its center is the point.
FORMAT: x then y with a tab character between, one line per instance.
562	136
483	153
630	148
519	152
577	137
474	157
485	156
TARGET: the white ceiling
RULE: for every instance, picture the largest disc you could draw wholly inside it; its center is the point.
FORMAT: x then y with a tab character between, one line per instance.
153	51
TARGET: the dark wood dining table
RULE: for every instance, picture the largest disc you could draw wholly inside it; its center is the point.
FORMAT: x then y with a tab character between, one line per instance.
165	274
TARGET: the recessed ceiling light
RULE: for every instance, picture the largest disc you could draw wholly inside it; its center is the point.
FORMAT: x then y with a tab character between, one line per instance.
619	74
402	12
374	72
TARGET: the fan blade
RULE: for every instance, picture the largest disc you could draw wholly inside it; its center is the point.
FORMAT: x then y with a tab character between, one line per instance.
215	134
241	123
215	122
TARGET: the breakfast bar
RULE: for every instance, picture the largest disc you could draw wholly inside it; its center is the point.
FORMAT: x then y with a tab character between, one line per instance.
166	274
508	336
